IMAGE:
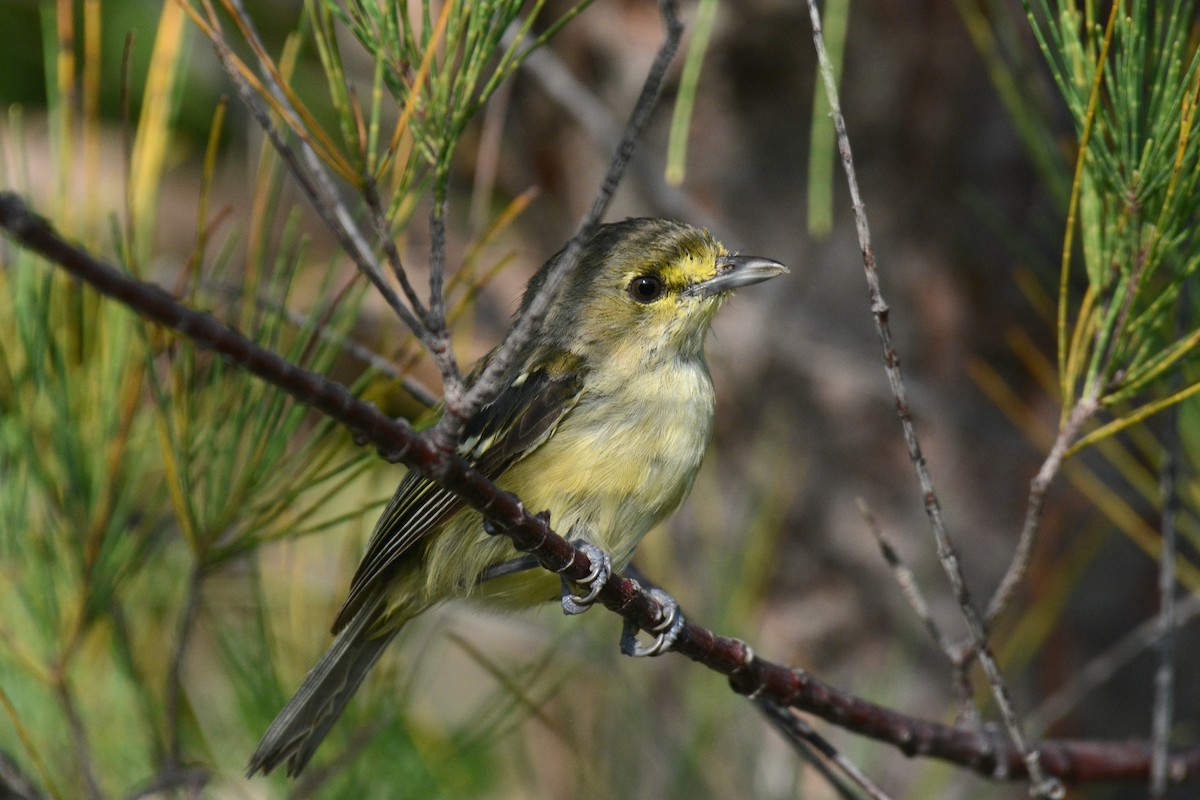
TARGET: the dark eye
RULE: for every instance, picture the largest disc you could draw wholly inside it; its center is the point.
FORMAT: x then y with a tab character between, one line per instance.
646	288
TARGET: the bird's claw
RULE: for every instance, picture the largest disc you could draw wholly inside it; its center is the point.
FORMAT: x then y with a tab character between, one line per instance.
594	582
665	632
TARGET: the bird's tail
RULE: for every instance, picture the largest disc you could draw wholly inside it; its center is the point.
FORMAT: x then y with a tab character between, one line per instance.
302	724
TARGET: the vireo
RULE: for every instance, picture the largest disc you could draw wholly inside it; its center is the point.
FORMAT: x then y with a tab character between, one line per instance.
603	421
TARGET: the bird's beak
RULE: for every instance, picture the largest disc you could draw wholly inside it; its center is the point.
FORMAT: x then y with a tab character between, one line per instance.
734	272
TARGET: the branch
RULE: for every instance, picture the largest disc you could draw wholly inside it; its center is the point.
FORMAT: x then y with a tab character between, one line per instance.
593	119
748	675
1084	410
947	555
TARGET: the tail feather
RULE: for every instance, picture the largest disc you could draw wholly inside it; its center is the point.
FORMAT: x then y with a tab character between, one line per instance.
303	723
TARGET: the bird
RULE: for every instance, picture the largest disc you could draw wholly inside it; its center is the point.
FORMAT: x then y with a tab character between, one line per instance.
602	420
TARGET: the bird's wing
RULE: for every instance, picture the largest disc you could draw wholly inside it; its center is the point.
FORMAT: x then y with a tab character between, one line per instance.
521	417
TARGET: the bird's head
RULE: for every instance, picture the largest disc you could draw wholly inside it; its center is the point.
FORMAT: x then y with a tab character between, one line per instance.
650	286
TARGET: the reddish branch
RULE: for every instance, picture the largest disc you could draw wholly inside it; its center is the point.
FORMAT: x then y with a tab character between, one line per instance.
1075	761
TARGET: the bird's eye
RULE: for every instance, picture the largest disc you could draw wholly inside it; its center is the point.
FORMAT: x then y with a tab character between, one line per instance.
646	288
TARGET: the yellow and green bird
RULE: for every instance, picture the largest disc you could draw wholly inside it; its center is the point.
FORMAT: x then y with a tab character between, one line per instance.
603	421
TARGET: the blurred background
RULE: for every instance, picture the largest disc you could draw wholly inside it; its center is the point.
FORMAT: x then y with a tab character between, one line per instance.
967	213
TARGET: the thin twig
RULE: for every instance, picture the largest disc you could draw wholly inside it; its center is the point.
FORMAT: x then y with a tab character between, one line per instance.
1077	761
908	584
447	430
959	658
1107	664
597	122
819	752
1164	674
1084	410
1042	785
383	232
435	316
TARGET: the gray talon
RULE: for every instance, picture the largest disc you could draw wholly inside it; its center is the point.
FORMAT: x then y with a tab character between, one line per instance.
665	632
594	582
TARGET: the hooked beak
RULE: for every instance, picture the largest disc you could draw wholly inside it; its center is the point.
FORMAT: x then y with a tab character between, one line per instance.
734	272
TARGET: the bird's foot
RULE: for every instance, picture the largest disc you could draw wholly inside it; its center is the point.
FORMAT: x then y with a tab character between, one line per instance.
594	582
665	632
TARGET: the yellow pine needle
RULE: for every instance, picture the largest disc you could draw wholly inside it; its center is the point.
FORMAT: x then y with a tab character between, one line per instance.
514	209
1034	293
1031	356
1072	210
154	125
203	228
172	473
90	133
64	61
1006	400
130	405
329	156
360	122
1155	367
1128	520
308	128
1118	425
1081	336
1130	468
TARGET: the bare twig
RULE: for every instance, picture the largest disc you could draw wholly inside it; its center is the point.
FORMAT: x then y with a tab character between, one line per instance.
908	584
597	122
1104	666
1084	410
435	317
1069	760
959	658
383	232
1042	785
1164	674
819	752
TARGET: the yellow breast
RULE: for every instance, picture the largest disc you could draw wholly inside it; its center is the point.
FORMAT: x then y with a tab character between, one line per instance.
609	473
